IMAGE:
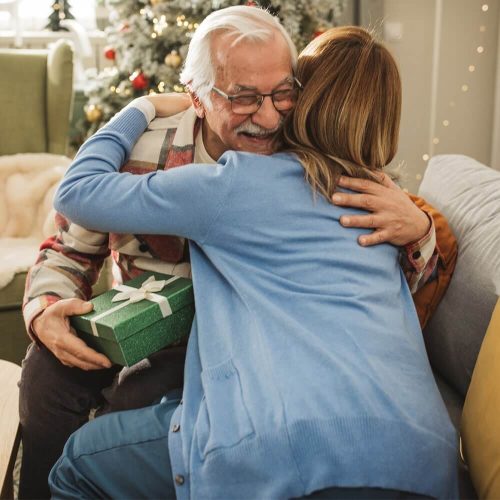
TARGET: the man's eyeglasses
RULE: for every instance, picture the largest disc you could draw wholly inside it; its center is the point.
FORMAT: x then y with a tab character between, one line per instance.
247	104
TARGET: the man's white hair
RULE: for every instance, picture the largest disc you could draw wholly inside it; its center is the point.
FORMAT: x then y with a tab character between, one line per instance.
250	23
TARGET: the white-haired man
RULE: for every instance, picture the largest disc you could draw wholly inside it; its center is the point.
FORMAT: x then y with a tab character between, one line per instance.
241	93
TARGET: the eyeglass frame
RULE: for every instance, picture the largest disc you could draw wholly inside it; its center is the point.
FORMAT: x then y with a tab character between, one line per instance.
297	86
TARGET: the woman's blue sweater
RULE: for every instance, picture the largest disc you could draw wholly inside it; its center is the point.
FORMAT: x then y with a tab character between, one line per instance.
306	366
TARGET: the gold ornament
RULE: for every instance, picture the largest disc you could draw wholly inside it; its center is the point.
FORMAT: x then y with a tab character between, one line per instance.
173	59
93	113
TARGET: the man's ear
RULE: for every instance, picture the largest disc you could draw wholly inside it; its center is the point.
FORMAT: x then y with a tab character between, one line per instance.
197	104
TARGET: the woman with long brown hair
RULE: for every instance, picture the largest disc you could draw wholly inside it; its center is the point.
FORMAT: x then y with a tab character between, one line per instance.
347	120
306	372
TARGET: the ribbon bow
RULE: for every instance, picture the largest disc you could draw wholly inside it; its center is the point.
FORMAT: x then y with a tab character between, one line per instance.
148	288
130	295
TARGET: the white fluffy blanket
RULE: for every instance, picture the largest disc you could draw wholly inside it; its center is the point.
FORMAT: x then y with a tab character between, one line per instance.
27	185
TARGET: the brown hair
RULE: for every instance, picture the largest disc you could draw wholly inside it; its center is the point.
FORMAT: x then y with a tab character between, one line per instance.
346	121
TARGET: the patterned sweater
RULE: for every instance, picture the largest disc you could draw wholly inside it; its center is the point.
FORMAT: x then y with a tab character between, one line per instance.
69	262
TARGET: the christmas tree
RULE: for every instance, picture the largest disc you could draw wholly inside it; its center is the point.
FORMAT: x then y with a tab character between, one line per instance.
60	11
148	40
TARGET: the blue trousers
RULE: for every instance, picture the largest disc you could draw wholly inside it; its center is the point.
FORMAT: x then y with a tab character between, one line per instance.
120	455
125	455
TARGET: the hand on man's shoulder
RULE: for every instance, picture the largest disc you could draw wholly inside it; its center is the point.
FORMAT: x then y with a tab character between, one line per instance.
393	217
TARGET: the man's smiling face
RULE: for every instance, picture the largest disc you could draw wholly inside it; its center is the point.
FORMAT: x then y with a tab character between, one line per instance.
248	67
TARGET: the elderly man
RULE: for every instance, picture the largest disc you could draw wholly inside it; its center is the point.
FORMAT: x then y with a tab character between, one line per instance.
64	380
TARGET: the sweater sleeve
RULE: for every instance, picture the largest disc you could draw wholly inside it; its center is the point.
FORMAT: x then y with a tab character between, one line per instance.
182	201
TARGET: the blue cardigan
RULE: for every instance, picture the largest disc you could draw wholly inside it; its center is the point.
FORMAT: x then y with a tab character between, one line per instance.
306	367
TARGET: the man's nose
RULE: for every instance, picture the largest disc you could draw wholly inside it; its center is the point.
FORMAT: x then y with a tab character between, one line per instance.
267	116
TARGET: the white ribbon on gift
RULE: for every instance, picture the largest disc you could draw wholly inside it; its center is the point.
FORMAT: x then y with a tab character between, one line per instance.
130	295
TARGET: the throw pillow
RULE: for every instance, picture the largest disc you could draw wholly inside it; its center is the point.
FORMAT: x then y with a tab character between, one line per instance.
467	193
480	427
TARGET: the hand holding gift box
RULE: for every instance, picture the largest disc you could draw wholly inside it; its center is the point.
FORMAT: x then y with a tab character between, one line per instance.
138	318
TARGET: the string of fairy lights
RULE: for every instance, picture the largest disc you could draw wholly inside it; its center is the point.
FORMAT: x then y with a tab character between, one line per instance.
172	59
445	123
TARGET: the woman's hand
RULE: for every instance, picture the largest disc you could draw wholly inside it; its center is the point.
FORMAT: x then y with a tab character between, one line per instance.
169	104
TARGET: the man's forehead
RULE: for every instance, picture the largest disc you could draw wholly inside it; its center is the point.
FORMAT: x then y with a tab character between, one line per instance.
241	86
250	65
239	53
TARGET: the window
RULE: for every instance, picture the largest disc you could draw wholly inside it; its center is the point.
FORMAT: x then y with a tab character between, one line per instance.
33	14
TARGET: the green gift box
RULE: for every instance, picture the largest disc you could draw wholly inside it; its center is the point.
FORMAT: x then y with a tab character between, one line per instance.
138	318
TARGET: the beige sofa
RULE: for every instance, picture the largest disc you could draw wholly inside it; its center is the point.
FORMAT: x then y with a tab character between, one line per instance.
468	194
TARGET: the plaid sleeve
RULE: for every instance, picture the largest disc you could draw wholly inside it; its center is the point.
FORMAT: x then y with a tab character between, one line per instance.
419	259
67	266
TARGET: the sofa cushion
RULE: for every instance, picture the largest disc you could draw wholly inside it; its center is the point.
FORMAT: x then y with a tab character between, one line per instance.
480	431
23	79
468	194
11	295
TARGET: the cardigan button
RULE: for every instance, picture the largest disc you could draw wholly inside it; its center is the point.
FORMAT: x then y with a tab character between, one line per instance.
176	428
417	254
143	247
179	480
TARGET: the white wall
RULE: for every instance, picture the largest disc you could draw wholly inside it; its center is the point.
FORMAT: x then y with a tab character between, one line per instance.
446	32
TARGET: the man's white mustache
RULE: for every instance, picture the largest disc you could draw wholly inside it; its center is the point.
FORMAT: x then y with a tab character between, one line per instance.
256	130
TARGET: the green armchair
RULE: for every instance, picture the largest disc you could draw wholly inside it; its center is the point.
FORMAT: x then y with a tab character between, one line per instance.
36	93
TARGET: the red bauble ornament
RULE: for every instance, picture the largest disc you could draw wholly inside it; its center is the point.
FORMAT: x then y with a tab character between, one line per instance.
110	53
140	82
318	32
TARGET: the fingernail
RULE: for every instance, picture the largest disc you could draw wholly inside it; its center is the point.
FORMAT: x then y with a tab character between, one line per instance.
345	221
337	198
362	241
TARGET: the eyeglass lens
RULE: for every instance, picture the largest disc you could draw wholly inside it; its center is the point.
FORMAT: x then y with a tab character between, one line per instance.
283	100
